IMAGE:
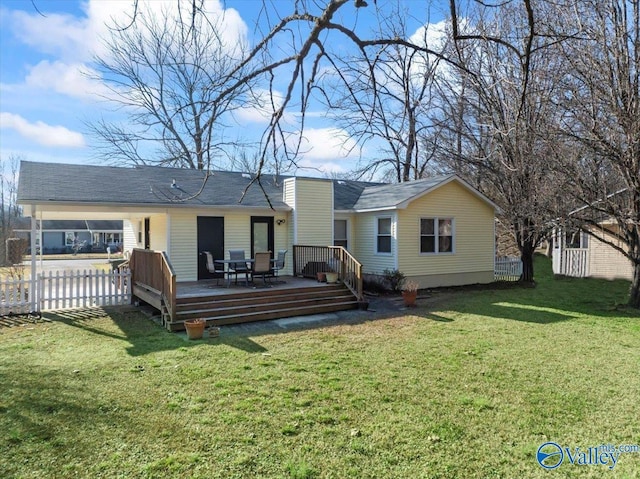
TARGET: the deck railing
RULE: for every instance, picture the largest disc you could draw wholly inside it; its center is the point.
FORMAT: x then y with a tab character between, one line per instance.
574	262
308	261
153	270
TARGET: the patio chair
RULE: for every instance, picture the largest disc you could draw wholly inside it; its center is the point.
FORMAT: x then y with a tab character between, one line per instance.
262	266
214	268
239	266
278	265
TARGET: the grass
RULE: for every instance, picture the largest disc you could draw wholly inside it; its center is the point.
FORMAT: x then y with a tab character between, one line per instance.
468	385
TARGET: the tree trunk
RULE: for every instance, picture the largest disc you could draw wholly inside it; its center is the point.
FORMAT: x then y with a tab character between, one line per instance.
634	291
526	255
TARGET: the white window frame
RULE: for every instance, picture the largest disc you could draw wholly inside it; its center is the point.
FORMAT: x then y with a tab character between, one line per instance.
584	240
377	235
70	235
436	236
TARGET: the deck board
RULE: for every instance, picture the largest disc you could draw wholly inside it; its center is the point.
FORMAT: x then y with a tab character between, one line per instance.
188	289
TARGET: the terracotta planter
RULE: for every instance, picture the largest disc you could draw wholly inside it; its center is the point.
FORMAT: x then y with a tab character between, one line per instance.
332	277
409	298
195	328
322	277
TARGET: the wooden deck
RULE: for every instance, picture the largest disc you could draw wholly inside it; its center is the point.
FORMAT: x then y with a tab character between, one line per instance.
220	305
210	288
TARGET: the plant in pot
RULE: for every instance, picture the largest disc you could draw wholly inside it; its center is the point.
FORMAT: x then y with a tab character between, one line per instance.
332	277
410	293
195	328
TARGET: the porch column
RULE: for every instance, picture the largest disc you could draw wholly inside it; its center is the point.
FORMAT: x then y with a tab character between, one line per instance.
34	278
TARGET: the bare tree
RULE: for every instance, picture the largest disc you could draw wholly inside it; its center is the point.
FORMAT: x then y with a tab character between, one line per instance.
501	111
170	73
602	119
9	208
387	100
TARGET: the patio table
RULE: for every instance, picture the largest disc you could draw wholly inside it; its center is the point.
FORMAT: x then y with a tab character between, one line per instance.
227	262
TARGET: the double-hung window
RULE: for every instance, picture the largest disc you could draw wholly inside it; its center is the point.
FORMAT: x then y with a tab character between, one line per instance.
436	235
383	235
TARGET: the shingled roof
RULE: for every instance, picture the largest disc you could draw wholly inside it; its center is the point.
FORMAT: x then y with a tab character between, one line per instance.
142	185
56	183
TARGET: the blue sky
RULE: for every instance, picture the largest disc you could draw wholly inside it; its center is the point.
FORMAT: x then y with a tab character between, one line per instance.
45	99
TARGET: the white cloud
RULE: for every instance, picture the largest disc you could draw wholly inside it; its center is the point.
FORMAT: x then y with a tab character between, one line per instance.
75	80
77	39
40	132
327	150
261	108
327	144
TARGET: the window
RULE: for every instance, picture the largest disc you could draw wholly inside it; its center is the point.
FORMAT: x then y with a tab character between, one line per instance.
70	238
436	235
575	239
112	238
340	233
383	235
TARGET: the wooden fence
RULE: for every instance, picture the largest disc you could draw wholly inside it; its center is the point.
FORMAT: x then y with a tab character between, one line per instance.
507	269
65	290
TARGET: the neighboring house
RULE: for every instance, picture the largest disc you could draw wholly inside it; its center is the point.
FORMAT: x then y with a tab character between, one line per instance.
437	231
577	253
61	236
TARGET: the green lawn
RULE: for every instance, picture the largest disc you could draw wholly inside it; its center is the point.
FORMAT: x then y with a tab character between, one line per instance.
469	385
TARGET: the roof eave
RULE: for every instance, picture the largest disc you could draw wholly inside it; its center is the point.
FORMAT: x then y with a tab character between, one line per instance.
26	202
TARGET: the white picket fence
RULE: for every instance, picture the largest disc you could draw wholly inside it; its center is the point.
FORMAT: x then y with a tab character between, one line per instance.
507	269
66	290
14	296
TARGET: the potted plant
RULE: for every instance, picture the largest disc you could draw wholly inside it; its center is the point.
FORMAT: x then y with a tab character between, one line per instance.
195	328
331	277
410	293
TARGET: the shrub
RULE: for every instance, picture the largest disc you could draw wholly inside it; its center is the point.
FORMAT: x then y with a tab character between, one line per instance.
394	278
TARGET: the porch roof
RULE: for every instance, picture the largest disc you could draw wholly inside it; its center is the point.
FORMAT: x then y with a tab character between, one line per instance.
150	186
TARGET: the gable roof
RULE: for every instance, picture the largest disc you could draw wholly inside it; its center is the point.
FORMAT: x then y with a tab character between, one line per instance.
399	195
142	185
55	183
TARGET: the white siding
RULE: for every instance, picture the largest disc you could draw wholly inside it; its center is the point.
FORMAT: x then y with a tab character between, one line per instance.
183	252
129	235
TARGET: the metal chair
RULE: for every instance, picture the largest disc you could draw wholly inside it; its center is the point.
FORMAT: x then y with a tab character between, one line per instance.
278	265
239	266
214	268
262	266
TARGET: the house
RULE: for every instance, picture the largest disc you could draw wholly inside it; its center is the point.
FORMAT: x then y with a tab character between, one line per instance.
580	254
438	231
62	236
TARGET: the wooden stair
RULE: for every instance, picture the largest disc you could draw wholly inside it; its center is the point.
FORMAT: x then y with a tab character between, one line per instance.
262	304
